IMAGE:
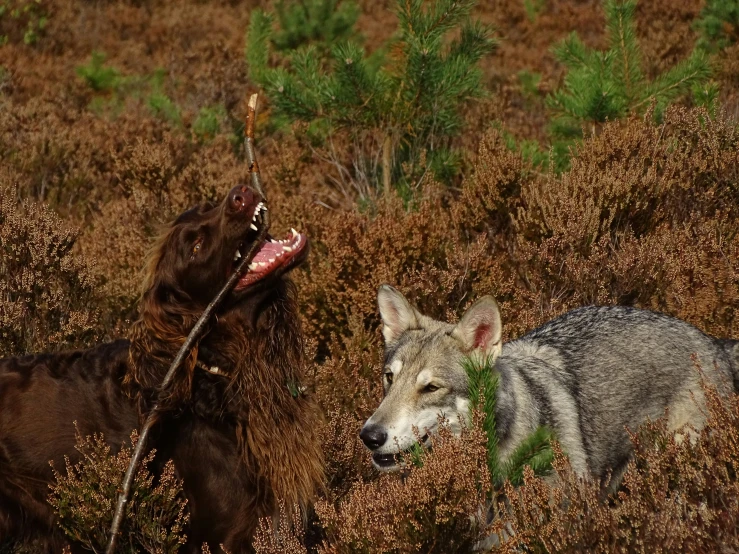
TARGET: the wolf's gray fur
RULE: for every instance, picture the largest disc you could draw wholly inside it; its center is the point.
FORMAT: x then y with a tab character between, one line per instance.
589	375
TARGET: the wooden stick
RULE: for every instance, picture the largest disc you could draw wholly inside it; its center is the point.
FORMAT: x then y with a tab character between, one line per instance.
196	332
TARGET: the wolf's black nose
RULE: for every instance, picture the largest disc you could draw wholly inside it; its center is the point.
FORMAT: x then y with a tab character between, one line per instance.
373	436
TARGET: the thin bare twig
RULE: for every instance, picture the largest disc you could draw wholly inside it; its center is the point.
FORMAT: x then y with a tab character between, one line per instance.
196	332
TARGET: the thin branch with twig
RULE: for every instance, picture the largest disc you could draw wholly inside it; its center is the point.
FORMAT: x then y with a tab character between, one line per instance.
196	333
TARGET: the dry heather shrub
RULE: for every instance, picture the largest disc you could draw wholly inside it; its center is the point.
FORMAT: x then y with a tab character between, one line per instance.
676	497
418	250
348	390
156	180
688	270
352	369
66	159
284	534
492	190
433	508
347	387
645	214
48	294
635	175
347	459
84	500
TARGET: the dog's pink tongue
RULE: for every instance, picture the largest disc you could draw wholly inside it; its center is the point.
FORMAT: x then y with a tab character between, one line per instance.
268	252
272	254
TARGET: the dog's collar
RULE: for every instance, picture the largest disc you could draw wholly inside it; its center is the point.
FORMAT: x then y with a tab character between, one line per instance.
214	369
295	388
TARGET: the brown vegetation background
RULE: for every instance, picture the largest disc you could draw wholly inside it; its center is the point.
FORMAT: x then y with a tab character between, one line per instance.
647	215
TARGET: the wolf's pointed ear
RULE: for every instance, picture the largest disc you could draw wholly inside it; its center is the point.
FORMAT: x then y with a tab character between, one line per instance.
396	312
480	330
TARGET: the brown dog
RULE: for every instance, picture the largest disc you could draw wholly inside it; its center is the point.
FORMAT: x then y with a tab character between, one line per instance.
240	434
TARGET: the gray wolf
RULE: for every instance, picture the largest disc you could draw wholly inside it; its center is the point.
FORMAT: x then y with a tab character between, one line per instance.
589	375
238	435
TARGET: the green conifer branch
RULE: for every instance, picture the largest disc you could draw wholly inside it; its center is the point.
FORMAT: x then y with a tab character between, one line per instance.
718	25
622	35
411	102
605	85
535	451
678	80
257	44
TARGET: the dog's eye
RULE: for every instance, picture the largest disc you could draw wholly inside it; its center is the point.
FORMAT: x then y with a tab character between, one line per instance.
430	388
389	378
196	247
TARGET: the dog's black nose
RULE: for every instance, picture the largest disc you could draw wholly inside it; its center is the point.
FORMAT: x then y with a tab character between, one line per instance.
373	436
240	197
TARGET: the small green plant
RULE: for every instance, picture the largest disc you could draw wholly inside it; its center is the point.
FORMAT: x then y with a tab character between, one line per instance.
535	451
100	77
84	500
164	107
533	8
611	84
27	17
320	22
207	124
402	111
529	83
160	104
718	24
113	88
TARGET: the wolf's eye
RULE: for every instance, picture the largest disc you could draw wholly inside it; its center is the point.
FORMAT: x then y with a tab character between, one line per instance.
389	378
430	388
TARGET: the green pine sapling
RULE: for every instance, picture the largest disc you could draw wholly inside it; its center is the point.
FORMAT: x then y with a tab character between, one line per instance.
535	451
718	24
611	84
409	104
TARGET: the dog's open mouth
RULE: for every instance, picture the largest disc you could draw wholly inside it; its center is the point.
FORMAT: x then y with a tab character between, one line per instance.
398	459
273	255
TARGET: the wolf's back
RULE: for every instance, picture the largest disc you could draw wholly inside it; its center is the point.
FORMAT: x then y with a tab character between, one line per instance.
732	349
596	371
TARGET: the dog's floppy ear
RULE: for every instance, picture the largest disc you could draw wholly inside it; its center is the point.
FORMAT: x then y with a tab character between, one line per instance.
480	329
396	312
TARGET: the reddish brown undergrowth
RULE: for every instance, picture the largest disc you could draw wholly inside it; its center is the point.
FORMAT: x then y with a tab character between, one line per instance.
647	215
677	496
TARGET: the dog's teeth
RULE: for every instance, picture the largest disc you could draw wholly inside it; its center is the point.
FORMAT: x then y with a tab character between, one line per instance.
262	264
287	248
253	227
237	255
271	260
294	232
252	266
279	254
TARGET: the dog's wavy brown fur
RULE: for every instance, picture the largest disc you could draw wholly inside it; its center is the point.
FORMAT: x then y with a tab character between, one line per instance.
242	440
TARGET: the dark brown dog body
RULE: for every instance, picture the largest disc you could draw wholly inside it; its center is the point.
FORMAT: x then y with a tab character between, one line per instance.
239	433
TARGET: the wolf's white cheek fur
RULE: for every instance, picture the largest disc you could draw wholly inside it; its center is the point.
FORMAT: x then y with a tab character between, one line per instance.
401	435
462	415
